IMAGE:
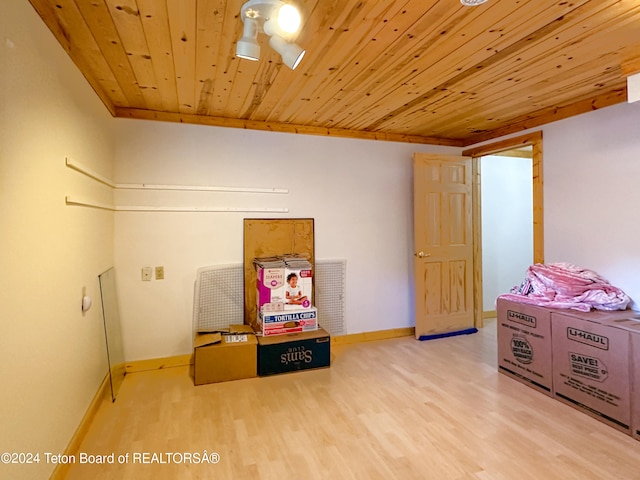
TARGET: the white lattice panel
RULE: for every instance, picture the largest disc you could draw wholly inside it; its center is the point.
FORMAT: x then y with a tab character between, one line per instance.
218	300
330	282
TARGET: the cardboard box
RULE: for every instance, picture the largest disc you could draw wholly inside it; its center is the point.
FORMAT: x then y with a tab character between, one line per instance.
524	344
283	283
290	353
635	384
591	366
281	323
600	316
272	237
223	356
632	325
270	288
298	288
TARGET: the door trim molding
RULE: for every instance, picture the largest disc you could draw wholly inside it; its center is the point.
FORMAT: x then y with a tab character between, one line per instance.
535	140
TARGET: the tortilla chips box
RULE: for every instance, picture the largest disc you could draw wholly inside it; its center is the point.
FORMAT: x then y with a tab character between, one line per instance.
524	344
280	323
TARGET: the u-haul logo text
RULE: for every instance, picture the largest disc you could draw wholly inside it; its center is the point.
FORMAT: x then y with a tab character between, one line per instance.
521	318
588	338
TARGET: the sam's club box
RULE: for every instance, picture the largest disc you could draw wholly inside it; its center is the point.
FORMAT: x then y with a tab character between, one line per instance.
591	368
524	344
294	352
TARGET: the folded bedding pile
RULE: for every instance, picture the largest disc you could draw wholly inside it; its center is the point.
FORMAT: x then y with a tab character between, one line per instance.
563	285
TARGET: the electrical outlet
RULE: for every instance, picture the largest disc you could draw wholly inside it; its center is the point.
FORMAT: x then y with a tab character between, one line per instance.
159	273
146	274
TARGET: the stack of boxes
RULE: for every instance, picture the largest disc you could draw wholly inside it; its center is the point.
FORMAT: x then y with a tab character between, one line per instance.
280	332
286	320
590	361
284	301
284	336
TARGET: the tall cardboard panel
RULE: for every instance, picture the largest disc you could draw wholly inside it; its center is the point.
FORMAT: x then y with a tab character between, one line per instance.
268	237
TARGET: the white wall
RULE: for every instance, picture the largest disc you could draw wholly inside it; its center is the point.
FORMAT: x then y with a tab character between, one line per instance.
507	224
359	193
591	194
52	358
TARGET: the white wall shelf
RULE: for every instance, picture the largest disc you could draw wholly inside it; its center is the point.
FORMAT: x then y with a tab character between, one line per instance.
144	208
83	169
198	188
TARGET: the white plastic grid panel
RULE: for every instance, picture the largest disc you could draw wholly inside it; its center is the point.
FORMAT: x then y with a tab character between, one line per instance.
219	302
330	281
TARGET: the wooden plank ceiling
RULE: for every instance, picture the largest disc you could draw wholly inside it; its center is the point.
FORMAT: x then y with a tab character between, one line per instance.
424	71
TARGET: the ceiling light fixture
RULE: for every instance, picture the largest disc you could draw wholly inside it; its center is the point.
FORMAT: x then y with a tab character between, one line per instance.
471	3
277	19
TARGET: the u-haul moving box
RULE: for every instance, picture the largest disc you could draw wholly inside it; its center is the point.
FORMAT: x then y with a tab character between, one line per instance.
635	384
591	366
632	325
524	344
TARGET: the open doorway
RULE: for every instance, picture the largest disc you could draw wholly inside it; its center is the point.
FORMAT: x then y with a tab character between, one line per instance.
506	193
529	145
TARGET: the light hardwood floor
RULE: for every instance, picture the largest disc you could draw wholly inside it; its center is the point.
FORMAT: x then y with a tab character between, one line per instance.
391	409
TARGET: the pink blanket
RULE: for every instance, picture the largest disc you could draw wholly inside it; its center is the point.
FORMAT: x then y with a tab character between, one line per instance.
562	285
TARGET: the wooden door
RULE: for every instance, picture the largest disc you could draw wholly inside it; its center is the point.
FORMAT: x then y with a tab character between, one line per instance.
443	229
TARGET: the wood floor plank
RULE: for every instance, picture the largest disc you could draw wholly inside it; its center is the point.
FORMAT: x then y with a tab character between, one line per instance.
390	409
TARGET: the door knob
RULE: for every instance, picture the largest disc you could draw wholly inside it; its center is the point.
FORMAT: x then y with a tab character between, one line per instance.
421	254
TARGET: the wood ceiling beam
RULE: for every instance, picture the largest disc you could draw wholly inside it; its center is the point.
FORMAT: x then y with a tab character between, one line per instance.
630	64
552	114
281	127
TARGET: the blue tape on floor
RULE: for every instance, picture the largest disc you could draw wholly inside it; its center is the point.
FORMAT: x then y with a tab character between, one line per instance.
468	331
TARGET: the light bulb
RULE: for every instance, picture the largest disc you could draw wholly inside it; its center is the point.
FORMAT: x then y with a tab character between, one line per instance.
288	18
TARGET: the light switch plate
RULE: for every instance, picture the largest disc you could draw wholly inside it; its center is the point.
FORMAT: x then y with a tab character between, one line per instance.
147	272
